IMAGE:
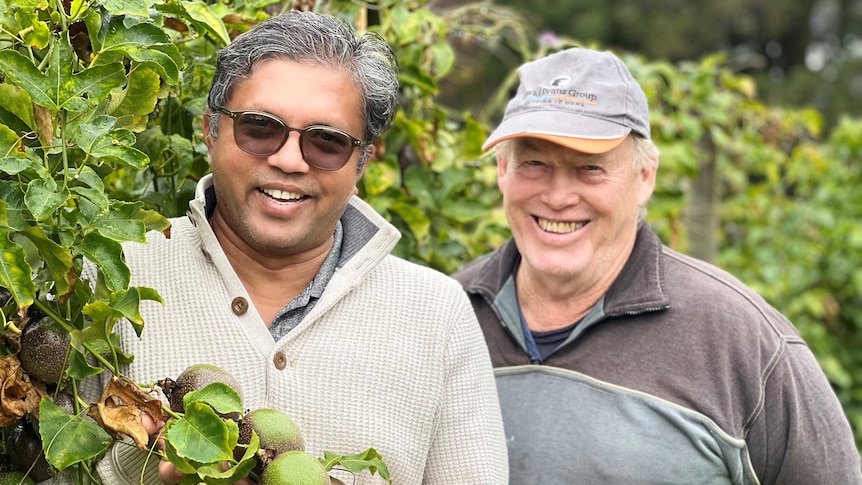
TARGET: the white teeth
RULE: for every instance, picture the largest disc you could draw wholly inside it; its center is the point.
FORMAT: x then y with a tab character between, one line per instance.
560	227
281	194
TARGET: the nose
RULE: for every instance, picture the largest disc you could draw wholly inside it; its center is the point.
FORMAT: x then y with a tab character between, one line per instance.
562	190
289	157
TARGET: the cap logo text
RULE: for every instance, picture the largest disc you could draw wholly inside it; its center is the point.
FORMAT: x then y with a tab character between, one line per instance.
558	93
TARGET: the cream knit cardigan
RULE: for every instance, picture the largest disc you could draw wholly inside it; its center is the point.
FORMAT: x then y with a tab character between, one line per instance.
391	357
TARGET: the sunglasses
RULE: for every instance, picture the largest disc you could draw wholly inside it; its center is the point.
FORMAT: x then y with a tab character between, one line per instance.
262	134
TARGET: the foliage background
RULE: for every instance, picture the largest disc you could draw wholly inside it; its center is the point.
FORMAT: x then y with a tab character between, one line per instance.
764	192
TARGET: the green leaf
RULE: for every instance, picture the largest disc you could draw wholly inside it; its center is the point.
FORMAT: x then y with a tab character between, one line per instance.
133	104
88	87
369	460
117	226
443	57
405	25
93	20
13	166
57	259
145	293
454	179
113	145
211	474
16	101
12	158
87	176
153	220
103	319
15	207
199	15
413	76
223	398
201	436
462	210
158	61
96	196
414	217
93	131
15	271
77	7
107	255
39	35
44	198
69	439
474	135
418	181
21	72
139	8
182	464
79	368
128	303
249	456
112	151
146	44
241	469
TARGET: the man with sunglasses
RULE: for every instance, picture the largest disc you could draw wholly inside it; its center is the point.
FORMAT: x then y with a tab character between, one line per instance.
280	275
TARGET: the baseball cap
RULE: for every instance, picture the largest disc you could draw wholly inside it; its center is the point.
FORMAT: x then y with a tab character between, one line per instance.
583	99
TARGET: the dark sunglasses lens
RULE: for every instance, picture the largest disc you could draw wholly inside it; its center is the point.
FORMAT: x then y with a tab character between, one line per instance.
325	148
259	134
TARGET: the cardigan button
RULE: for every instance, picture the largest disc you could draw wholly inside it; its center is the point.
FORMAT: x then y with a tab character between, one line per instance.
280	360
239	305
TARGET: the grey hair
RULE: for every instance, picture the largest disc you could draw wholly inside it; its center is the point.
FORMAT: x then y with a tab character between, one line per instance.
644	154
313	38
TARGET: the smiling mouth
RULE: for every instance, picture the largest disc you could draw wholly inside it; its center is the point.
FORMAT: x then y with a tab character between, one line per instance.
282	195
559	227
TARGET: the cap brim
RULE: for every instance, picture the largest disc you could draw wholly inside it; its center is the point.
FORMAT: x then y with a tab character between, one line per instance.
572	130
584	145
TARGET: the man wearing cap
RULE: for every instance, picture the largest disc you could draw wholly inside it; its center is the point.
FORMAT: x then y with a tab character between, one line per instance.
619	360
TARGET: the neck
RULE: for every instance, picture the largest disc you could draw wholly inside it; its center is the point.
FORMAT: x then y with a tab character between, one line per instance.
546	307
271	281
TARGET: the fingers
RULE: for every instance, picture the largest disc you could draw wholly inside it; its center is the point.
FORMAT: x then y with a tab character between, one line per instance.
151	425
154	430
169	474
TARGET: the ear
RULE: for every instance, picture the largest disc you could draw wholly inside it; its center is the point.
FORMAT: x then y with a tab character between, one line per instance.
647	179
502	170
371	150
205	125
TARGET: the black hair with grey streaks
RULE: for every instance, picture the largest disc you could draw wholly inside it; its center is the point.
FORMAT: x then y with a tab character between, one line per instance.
313	38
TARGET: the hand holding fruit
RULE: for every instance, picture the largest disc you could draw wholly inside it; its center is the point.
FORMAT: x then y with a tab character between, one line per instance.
266	443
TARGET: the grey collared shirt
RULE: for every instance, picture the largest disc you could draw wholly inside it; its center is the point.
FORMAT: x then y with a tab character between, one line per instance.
293	313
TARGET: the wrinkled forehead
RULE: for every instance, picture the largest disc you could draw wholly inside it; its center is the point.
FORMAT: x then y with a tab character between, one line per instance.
531	146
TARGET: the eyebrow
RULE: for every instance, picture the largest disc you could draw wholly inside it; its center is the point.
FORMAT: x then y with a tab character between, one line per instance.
529	147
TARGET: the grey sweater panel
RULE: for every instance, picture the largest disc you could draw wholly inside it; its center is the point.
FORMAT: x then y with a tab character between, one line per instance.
597	433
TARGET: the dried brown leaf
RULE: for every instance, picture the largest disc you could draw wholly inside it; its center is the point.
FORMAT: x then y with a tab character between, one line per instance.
119	410
18	394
